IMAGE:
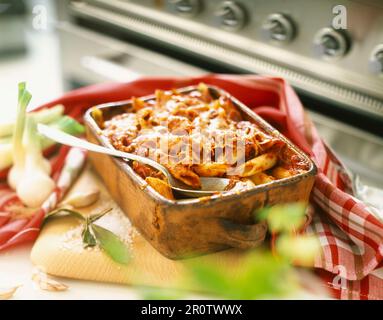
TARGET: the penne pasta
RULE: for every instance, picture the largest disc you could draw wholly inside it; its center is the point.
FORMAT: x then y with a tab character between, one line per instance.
261	178
137	103
185	174
161	187
258	164
212	169
280	173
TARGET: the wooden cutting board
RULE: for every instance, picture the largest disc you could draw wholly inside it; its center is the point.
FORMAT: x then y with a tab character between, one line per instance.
58	250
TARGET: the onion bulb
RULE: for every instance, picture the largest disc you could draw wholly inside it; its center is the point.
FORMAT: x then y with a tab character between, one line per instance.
35	185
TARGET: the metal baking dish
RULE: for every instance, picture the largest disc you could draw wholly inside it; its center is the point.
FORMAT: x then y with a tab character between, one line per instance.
188	227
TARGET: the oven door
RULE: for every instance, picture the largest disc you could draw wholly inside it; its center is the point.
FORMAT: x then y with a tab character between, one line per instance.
89	57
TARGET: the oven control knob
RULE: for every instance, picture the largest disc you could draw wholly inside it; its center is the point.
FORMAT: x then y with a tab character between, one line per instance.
331	43
376	60
231	16
188	8
279	28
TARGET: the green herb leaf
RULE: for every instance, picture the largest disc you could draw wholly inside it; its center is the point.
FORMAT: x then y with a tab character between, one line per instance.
112	244
284	218
88	238
93	234
259	275
63	212
300	249
97	216
208	277
160	294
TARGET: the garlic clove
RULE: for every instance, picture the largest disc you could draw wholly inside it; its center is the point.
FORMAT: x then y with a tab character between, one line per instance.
8	293
83	199
45	282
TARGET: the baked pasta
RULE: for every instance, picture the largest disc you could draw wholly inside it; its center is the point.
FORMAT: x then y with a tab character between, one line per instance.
195	134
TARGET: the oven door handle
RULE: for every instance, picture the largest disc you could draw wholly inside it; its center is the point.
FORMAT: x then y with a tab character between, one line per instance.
109	69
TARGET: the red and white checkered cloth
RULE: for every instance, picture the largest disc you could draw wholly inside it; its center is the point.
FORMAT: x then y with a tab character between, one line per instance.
351	237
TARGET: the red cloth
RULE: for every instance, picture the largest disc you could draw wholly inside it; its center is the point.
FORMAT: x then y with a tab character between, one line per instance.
351	236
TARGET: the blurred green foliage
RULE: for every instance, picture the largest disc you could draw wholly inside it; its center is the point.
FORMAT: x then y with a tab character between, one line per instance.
259	275
283	218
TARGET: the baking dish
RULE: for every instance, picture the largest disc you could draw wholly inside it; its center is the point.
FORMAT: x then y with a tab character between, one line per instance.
186	227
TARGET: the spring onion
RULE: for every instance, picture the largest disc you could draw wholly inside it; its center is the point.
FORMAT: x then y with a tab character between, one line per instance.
18	152
45	116
65	124
35	184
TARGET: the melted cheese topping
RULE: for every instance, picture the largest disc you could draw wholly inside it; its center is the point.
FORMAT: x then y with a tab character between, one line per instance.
193	135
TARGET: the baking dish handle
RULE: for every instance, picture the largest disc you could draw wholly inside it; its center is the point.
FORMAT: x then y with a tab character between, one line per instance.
241	236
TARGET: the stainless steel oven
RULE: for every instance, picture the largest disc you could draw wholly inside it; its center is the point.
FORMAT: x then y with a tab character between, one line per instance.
337	73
